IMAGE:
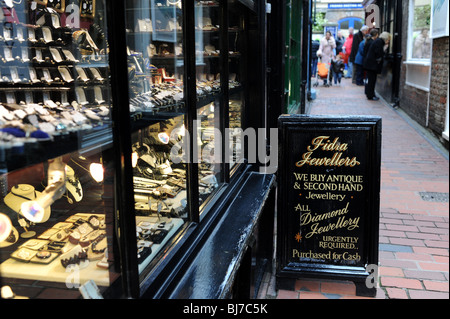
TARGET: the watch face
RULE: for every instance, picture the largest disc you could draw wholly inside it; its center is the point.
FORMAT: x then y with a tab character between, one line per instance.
57	5
87	8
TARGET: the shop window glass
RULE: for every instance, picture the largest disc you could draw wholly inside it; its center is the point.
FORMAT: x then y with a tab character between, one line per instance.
56	154
208	79
420	21
419	45
157	107
236	66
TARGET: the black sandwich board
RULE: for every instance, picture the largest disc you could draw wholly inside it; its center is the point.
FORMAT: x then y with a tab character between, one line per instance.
328	199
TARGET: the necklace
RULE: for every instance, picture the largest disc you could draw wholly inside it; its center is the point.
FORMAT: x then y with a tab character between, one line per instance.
24	197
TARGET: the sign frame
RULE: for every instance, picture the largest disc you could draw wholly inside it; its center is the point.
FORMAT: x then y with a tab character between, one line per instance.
296	133
440	19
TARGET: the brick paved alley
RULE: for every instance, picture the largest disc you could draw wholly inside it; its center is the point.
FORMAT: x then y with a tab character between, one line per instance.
414	208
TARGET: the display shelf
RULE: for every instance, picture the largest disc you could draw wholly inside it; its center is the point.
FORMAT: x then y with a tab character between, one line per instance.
152	33
143	119
155	5
168	58
175	225
15	269
53	83
25	152
33	268
206	4
98	138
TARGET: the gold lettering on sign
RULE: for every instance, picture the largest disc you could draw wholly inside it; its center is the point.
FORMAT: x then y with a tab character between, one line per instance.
326	255
324	143
334	229
313	220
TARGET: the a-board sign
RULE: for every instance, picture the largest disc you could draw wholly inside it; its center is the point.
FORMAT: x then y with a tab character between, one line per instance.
328	199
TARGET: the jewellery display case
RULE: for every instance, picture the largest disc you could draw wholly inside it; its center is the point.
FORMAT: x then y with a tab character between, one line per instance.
125	123
154	41
56	150
179	169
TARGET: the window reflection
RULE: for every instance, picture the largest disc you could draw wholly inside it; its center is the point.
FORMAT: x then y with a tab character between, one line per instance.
236	65
208	69
421	41
157	106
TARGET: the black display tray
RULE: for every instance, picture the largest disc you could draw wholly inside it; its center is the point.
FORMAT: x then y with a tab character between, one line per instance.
27	153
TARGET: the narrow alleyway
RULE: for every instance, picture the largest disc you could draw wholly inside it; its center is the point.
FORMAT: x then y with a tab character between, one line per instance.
414	208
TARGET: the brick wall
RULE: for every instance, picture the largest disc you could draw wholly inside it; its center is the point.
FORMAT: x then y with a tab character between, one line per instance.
414	101
439	85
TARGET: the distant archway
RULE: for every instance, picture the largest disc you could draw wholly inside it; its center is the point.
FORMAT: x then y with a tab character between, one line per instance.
350	22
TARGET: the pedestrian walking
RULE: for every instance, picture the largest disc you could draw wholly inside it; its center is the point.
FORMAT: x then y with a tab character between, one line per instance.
327	45
340	40
362	51
337	68
373	63
326	51
357	39
314	58
347	49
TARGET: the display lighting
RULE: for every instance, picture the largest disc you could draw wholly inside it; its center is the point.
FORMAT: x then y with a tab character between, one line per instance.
164	137
97	172
7	293
34	210
134	159
5	227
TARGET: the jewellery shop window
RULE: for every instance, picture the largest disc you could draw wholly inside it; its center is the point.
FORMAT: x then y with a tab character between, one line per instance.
56	185
236	66
208	80
158	109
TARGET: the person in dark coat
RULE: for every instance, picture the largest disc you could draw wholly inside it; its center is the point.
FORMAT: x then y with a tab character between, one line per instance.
314	58
359	59
340	40
337	69
373	63
357	39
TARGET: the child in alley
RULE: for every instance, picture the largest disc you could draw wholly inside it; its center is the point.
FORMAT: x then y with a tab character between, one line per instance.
337	68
